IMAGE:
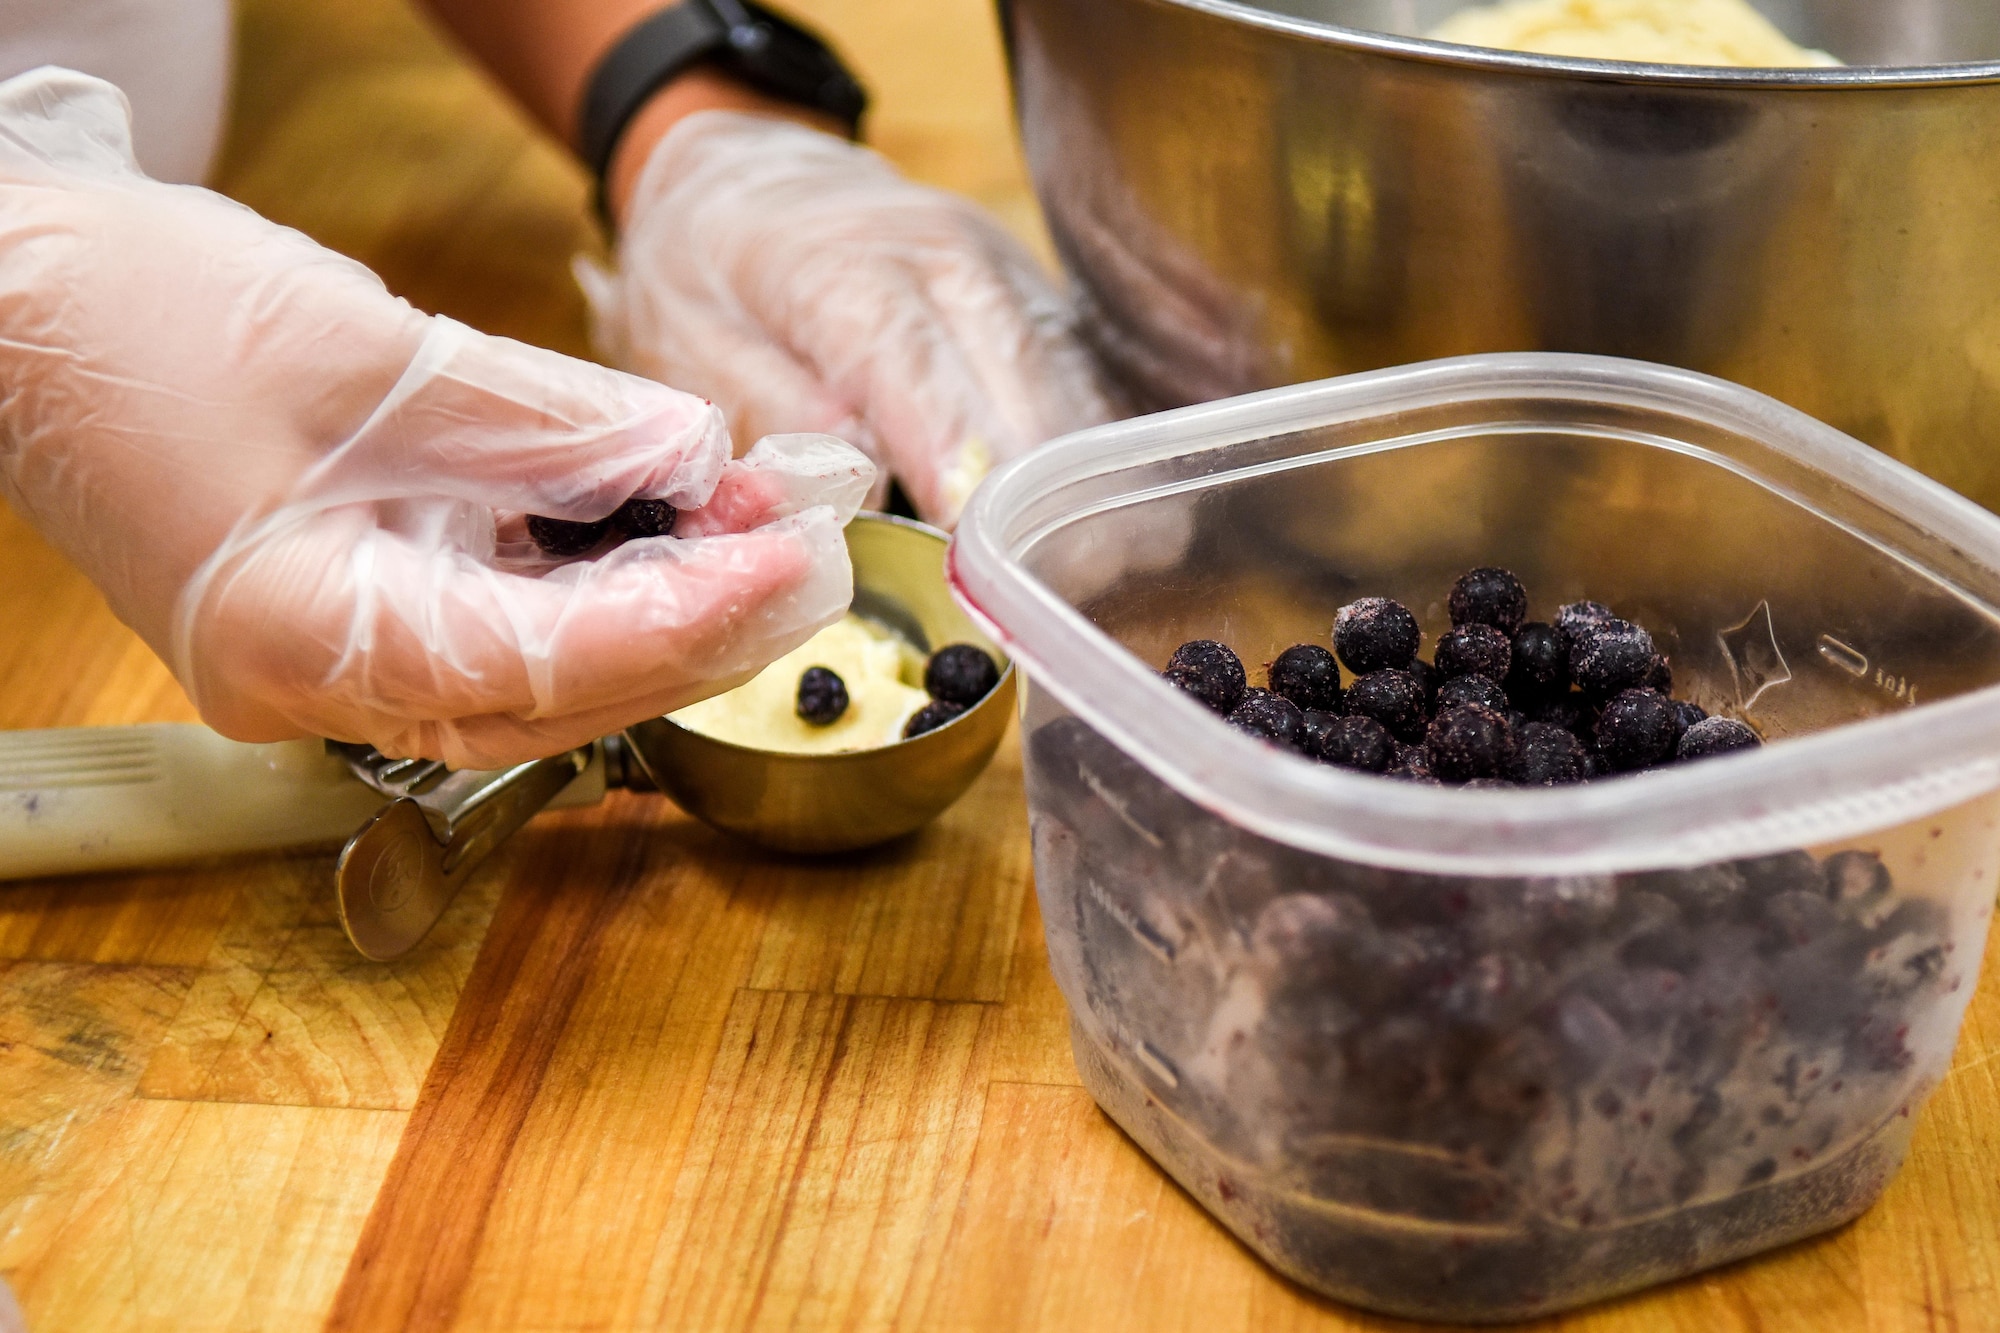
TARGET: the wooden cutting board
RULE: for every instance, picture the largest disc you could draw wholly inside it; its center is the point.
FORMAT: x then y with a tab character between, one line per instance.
641	1077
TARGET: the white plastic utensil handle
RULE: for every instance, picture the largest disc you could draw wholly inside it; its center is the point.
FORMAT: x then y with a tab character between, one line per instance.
113	798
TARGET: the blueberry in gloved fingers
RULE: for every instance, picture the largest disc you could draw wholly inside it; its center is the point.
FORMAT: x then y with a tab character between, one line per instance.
561	538
646	518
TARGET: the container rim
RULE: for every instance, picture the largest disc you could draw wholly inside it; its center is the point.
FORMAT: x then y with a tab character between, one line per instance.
1803	77
1847	782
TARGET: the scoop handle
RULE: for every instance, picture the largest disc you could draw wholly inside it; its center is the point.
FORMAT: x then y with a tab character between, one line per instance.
89	799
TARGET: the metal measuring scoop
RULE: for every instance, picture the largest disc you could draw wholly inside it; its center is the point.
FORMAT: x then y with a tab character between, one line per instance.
400	872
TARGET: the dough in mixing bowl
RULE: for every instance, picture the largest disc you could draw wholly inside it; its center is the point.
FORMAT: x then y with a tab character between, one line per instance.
1662	32
876	667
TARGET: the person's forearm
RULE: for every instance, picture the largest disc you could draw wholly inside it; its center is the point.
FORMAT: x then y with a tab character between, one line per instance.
544	51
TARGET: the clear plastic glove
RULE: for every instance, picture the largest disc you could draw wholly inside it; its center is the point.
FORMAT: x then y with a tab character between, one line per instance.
802	284
307	496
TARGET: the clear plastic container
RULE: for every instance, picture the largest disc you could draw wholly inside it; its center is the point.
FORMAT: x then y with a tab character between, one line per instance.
1480	1055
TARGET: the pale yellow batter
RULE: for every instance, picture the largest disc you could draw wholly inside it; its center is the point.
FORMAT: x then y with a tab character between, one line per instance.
876	666
1664	32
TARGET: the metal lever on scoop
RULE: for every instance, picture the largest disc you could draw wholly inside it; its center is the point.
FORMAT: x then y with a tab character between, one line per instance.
399	873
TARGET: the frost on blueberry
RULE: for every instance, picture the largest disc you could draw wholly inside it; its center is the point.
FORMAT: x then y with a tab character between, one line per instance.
1308	675
1488	596
1357	742
1270	717
1392	698
1610	656
1473	650
1376	634
1210	672
1716	735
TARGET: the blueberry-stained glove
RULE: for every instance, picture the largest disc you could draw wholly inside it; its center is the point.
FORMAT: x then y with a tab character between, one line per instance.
309	497
804	285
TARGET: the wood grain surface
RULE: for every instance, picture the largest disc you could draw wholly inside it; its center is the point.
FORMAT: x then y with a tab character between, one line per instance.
640	1077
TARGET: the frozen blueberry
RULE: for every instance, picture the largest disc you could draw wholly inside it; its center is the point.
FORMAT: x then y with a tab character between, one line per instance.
1716	735
1856	879
1210	672
1376	634
1470	742
1635	730
930	717
1687	714
1516	1077
1660	675
1471	689
1569	711
1539	664
1795	919
1490	784
1357	742
1573	619
1491	990
1398	1063
1270	717
1428	681
1393	698
561	538
1299	935
1473	648
961	674
1765	877
822	696
1309	676
1489	596
1412	763
1546	756
1610	656
1314	728
646	518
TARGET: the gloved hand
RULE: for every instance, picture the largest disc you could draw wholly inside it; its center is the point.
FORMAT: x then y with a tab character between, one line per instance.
300	491
802	284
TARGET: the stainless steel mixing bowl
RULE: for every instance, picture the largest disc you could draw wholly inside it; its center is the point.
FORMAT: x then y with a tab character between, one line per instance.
1252	195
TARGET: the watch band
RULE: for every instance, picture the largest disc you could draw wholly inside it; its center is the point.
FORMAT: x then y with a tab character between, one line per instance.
772	55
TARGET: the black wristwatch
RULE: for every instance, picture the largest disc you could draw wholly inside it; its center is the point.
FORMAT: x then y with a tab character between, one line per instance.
747	41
